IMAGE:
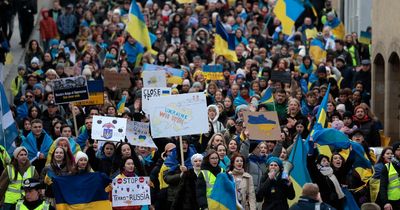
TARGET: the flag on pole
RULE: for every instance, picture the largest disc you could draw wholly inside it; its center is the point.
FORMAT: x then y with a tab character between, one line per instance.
224	43
121	105
287	11
8	127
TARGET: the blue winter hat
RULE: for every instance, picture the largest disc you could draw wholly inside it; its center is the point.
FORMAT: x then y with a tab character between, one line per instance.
110	56
54	42
276	160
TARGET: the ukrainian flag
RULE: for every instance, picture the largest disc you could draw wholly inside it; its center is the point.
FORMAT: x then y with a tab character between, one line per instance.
299	173
223	194
137	27
239	100
121	105
317	51
287	11
337	28
224	43
268	97
85	191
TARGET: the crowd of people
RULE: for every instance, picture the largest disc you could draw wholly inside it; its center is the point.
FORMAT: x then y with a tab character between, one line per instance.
82	37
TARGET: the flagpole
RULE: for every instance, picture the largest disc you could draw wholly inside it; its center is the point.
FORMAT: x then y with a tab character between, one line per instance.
181	149
1	123
75	124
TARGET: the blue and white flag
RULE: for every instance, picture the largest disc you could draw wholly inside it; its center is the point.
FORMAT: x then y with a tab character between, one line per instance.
8	127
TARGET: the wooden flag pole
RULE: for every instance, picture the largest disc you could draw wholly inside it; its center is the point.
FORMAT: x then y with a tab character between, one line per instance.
181	148
75	124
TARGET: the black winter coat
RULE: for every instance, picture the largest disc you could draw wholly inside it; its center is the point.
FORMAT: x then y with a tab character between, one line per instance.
275	193
186	194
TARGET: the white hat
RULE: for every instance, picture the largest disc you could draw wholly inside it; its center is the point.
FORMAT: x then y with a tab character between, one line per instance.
341	107
35	60
195	157
186	82
18	150
80	155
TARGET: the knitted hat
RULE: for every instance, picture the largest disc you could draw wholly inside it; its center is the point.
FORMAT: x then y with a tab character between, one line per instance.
35	60
80	155
276	160
341	107
195	157
18	150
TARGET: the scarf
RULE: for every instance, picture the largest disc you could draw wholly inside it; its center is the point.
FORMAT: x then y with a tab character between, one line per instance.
237	172
258	159
128	174
328	171
148	160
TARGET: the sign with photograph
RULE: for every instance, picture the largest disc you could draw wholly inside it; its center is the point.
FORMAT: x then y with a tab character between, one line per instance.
70	89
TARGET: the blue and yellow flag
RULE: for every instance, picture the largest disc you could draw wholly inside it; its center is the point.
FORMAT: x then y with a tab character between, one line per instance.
337	28
223	194
317	51
239	100
213	72
287	11
121	105
299	173
224	43
86	191
365	38
268	97
137	27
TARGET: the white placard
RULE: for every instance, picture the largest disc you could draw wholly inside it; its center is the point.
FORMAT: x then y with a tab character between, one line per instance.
178	115
148	93
131	191
138	134
108	128
154	78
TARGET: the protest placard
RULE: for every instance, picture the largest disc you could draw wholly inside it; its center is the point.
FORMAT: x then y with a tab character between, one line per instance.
70	89
148	93
96	94
213	72
108	128
281	76
154	79
114	79
263	125
178	115
174	76
138	134
131	191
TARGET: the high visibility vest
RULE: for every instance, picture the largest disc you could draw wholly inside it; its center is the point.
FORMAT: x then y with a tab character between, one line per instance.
394	183
352	51
210	180
20	206
14	192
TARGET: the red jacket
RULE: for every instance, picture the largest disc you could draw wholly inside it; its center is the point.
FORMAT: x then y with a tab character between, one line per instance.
48	28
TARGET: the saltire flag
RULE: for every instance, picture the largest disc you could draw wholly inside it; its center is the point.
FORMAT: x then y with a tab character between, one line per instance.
224	43
287	11
317	51
213	72
337	28
137	28
8	127
299	173
223	194
268	97
84	191
121	105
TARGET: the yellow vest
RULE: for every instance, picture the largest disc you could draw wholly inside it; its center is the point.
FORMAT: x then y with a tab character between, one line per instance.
210	180
352	51
20	206
14	192
394	183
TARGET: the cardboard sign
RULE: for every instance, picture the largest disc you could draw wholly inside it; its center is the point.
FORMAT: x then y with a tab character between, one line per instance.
154	79
281	76
108	128
263	125
70	89
131	191
148	93
96	94
114	79
213	72
138	134
178	115
174	76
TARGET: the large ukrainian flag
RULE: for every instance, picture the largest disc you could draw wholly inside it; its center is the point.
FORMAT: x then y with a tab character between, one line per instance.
224	43
86	191
337	28
223	194
137	27
287	11
317	51
267	97
299	173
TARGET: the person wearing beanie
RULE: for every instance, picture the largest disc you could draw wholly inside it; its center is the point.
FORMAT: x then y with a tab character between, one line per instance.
390	183
18	81
367	125
275	189
81	164
10	189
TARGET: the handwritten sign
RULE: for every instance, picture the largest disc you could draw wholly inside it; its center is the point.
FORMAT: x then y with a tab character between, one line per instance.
154	79
138	134
131	191
114	79
263	125
148	93
70	89
108	128
178	115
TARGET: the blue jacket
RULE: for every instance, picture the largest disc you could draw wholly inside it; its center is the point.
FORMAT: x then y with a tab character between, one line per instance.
30	144
132	51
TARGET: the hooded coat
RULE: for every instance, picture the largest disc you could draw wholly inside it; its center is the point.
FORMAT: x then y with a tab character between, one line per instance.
217	125
48	27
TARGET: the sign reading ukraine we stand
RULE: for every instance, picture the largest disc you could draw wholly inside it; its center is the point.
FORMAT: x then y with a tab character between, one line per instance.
178	115
131	191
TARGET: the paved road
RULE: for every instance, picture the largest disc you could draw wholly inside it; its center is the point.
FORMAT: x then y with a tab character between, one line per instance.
17	51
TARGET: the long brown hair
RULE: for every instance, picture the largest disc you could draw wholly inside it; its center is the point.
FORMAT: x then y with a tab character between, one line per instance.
67	162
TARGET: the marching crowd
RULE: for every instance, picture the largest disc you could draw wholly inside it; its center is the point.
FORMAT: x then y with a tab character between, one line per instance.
82	37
